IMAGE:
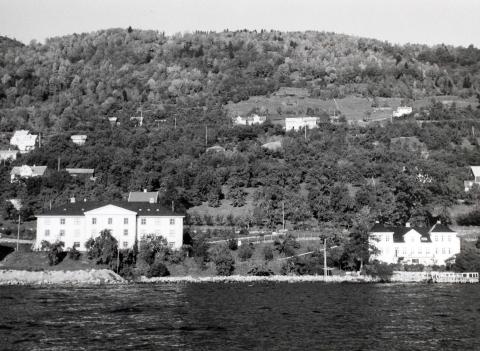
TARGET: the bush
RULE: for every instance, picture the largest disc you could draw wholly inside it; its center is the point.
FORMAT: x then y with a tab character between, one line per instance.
414	267
268	253
294	265
232	244
177	256
158	269
383	271
200	249
224	262
287	245
55	252
103	248
470	218
74	254
152	247
245	252
260	271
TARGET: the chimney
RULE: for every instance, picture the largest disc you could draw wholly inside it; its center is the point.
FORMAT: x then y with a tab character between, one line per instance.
72	200
151	200
407	225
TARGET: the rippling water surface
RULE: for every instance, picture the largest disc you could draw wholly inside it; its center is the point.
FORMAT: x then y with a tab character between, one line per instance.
262	316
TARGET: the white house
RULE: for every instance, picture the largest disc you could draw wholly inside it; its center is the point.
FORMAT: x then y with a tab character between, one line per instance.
81	172
79	139
476	178
27	172
427	246
402	111
8	155
23	140
297	123
248	121
75	223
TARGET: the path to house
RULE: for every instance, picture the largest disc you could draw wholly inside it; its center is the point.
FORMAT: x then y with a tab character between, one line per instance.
259	239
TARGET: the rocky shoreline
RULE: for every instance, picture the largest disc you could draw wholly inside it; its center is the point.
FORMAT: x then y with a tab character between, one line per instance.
88	277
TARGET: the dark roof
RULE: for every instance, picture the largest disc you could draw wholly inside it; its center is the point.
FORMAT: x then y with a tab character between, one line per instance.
143	196
141	208
399	232
440	228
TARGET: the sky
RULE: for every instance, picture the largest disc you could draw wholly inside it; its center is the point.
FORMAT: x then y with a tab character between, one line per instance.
430	22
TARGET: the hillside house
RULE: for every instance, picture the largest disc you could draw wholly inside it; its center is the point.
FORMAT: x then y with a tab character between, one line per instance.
81	172
215	149
138	120
273	145
143	196
27	172
409	245
402	111
297	123
75	223
6	155
468	184
113	121
24	141
79	139
248	121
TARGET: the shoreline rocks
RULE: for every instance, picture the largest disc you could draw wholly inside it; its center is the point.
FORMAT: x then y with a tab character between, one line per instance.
80	277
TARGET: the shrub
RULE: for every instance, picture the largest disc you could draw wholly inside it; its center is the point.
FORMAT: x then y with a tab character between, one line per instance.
287	245
152	247
55	252
232	244
224	262
74	254
470	218
177	256
158	269
268	253
294	265
383	271
245	252
260	271
103	248
200	249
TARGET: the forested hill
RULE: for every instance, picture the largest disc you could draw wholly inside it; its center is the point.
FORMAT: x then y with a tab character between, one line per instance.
72	84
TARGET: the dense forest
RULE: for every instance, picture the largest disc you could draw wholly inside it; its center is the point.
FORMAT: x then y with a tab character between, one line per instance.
341	174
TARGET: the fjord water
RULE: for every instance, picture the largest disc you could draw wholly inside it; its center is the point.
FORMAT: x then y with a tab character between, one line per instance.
242	316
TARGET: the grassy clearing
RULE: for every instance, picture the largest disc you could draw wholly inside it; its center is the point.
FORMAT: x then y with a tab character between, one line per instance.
37	261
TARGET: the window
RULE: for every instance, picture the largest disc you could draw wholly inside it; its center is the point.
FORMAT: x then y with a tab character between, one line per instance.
404	250
125	232
143	221
94	221
172	222
420	250
125	221
436	237
110	220
449	237
443	250
62	220
62	232
125	244
442	237
387	238
47	232
76	244
396	252
171	244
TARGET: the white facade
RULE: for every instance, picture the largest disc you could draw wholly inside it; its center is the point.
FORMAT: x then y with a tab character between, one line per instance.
402	111
79	139
432	249
8	155
27	172
23	140
476	178
297	123
126	225
248	121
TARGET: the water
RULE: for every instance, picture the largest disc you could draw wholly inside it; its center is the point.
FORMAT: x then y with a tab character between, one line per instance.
240	316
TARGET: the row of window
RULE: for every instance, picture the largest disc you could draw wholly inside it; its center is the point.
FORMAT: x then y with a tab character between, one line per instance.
412	239
76	244
143	221
94	232
420	251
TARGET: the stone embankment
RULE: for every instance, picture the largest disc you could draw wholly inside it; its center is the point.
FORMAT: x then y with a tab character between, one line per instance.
90	277
272	278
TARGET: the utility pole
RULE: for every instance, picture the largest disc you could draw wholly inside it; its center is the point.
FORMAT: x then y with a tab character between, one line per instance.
118	257
305	133
325	259
175	125
206	135
58	165
283	214
18	229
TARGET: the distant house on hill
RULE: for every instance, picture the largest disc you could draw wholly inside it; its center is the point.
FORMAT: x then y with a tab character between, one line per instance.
138	120
476	178
143	196
27	172
427	246
273	145
81	172
402	111
248	121
23	140
79	139
8	155
113	121
297	123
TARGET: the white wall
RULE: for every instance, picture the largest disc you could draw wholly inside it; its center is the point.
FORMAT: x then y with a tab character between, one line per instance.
296	123
161	226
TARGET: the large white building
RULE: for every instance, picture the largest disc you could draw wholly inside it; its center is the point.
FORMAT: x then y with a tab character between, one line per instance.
297	123
23	140
75	223
427	246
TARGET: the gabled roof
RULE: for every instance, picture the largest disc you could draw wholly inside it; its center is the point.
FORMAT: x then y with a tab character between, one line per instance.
80	170
143	196
141	208
36	170
441	228
399	232
475	171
